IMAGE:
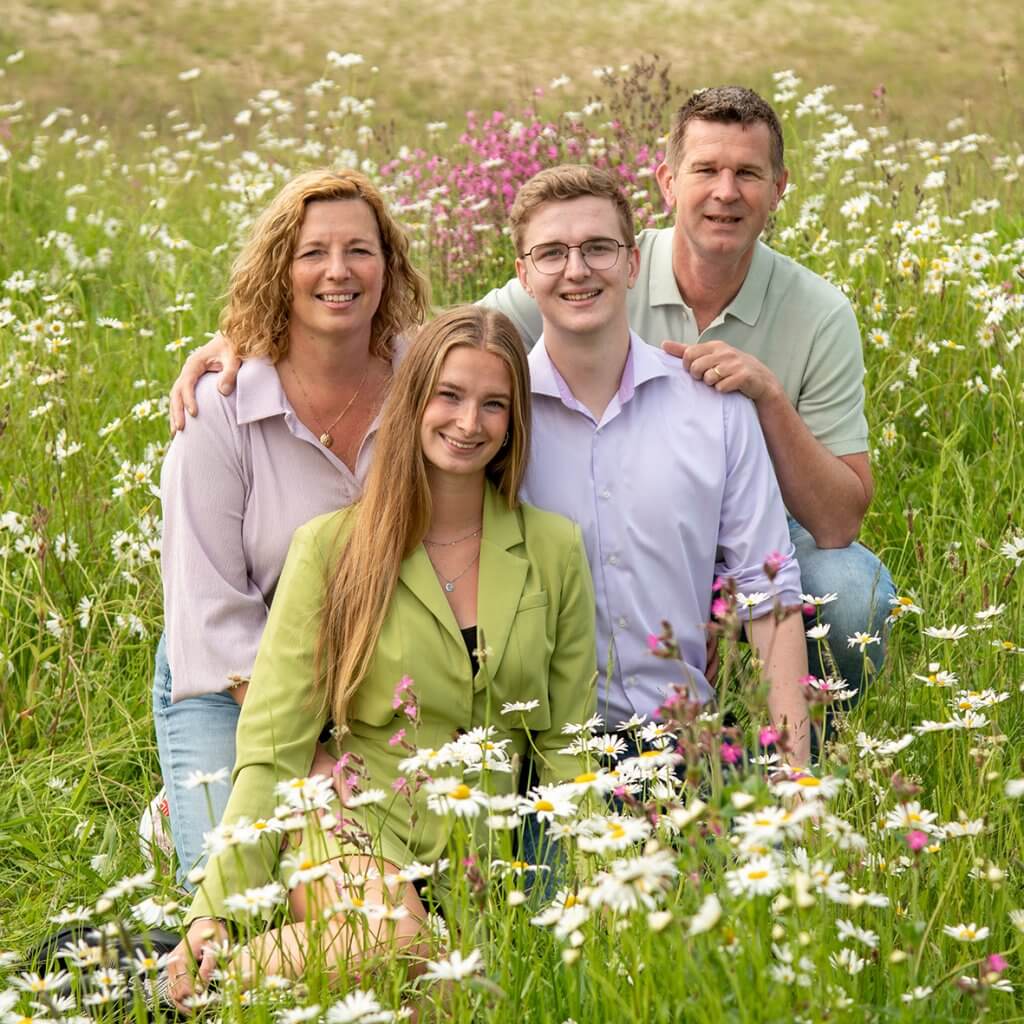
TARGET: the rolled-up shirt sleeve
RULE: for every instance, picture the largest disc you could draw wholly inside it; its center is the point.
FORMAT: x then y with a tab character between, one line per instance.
214	612
752	524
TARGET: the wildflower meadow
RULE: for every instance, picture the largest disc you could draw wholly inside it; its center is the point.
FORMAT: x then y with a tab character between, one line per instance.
885	883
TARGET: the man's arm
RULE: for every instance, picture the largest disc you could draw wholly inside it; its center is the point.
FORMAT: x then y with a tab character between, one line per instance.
828	494
783	652
216	354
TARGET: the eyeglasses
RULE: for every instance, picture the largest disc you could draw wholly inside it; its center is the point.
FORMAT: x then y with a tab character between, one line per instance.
597	253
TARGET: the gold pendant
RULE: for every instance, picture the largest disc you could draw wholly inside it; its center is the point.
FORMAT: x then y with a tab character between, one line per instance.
326	440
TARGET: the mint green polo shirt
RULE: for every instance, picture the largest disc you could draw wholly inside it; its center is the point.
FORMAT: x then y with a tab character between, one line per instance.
800	326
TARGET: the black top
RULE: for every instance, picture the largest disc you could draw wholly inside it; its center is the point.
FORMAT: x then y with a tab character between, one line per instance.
469	636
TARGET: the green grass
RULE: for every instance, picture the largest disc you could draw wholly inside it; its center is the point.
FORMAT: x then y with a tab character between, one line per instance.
120	60
945	407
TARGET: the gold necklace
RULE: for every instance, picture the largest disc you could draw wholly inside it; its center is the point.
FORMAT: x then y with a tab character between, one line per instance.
451	543
325	437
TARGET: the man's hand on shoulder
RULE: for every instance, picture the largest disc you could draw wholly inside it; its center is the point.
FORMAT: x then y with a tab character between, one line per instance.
725	368
215	355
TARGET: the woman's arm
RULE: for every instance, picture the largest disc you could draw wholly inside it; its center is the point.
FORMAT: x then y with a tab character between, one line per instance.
572	675
279	725
215	613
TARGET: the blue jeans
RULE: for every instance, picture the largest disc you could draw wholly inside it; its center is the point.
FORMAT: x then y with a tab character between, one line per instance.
197	734
864	587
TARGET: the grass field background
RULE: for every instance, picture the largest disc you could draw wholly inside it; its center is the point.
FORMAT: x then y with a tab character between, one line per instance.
120	59
124	191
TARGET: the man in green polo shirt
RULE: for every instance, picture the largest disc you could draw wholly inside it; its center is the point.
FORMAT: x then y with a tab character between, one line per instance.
745	318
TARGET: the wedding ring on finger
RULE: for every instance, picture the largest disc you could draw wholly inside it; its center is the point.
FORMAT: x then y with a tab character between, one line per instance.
718	373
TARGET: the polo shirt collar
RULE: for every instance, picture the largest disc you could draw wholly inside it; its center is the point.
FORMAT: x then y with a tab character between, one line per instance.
258	392
749	300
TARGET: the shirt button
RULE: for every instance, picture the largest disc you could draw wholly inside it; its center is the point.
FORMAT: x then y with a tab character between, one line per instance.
631	680
623	622
613	559
606	494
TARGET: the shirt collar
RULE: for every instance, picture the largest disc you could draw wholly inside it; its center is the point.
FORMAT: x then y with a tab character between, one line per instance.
747	304
750	298
258	392
260	395
643	363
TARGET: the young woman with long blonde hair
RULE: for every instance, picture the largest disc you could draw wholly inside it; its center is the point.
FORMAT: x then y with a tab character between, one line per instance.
437	562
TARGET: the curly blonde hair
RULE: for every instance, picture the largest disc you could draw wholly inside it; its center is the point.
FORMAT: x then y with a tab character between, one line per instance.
260	292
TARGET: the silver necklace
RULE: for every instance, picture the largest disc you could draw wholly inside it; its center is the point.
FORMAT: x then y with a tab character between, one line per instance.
449	584
451	543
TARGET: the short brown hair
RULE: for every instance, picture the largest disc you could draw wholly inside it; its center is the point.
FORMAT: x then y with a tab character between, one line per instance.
726	104
260	292
568	181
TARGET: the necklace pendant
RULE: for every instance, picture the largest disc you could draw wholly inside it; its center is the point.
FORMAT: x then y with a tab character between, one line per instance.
326	440
449	587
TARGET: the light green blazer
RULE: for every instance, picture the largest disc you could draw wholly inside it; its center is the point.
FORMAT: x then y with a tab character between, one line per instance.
535	607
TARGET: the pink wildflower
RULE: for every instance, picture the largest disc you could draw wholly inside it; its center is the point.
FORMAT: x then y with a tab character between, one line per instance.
767	736
916	840
399	696
996	964
397	738
730	753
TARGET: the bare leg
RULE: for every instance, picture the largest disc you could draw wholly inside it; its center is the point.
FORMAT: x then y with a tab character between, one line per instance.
340	939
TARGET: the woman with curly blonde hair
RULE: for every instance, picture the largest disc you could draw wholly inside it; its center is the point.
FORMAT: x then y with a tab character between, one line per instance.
319	297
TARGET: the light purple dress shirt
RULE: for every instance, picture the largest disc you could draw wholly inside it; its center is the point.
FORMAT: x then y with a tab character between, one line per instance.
235	485
672	487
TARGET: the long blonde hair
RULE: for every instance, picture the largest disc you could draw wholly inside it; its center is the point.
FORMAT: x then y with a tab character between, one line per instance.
260	291
394	513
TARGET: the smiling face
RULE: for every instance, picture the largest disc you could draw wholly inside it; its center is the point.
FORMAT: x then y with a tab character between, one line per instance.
578	299
467	416
723	190
337	270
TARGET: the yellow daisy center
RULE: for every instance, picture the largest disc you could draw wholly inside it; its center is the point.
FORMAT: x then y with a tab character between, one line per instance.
460	792
585	777
544	805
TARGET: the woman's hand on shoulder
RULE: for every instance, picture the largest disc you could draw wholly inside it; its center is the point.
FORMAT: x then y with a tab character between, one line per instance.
193	960
216	355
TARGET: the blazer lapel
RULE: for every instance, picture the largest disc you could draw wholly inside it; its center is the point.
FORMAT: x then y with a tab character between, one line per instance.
502	578
418	575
